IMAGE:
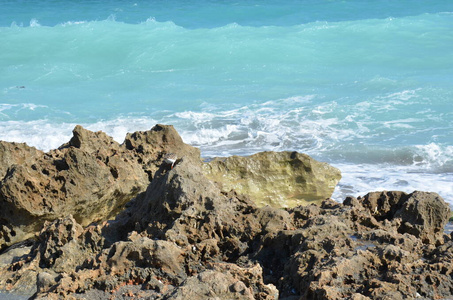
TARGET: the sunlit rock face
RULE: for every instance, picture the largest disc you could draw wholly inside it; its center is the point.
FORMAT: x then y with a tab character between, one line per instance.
278	179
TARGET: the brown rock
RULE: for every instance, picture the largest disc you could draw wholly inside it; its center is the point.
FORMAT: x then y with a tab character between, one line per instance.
212	285
163	256
226	281
15	153
63	244
252	277
91	178
185	237
420	213
424	215
150	146
183	206
90	183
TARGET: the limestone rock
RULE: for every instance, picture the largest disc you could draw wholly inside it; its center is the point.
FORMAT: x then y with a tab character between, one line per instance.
419	213
15	153
150	146
91	178
212	285
14	253
278	179
61	245
424	215
163	256
252	278
343	251
86	178
45	281
182	223
184	196
186	237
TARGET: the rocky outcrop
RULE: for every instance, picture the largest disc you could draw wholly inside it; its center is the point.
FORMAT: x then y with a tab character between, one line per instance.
421	214
91	178
16	153
186	237
278	179
150	146
348	251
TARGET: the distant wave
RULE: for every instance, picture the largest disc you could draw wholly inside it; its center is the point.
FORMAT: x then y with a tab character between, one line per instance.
210	14
368	91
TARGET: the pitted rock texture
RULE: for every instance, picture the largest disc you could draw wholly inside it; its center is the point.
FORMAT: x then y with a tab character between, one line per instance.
416	213
278	179
91	178
186	237
150	146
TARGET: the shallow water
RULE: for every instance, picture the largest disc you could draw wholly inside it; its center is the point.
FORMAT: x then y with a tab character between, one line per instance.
448	228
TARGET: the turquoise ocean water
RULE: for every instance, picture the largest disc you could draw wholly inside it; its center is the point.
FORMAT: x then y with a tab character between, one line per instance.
364	85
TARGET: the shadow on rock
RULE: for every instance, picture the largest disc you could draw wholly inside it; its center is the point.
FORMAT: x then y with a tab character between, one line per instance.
187	237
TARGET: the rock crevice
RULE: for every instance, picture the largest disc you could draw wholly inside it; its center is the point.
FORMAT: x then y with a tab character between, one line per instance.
186	236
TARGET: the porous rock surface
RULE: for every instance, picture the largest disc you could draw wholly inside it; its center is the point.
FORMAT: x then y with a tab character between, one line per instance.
91	178
186	238
278	179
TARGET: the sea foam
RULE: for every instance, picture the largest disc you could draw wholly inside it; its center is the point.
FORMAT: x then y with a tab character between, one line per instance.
363	86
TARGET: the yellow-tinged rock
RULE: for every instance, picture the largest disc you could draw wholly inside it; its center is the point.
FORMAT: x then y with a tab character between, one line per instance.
278	179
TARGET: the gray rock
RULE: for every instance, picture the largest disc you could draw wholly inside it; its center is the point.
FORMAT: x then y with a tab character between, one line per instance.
45	280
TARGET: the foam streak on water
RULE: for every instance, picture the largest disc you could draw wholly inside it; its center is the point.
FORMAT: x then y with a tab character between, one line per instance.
365	86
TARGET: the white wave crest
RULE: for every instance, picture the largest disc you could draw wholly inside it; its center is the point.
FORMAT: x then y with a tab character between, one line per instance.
45	136
434	157
360	179
34	23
